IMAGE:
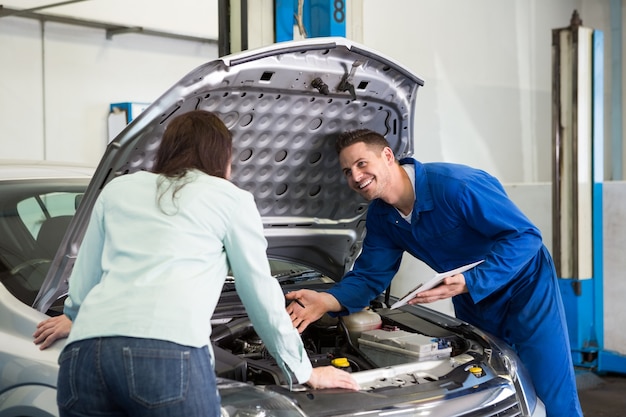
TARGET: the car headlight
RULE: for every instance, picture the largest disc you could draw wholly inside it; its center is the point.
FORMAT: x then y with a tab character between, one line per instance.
243	400
507	362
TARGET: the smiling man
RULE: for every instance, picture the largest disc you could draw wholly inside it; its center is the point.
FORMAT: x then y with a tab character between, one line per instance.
448	215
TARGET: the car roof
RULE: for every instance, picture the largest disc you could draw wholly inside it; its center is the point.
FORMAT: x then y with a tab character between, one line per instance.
14	169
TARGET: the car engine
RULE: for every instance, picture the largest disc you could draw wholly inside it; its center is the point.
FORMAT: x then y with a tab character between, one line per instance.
381	347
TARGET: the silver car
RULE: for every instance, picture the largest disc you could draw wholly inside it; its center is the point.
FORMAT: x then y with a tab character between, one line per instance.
284	104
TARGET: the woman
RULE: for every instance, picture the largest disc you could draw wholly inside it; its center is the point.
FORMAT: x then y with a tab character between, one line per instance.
148	277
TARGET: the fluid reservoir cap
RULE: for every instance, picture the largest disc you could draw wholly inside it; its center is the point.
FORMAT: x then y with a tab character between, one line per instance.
340	363
477	371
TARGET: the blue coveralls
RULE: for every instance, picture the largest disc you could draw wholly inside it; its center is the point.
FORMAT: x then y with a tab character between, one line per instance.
462	215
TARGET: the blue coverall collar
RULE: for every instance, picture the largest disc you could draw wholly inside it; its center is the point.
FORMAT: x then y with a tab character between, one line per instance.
423	197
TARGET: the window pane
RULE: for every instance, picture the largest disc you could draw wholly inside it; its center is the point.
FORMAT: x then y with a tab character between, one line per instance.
34	210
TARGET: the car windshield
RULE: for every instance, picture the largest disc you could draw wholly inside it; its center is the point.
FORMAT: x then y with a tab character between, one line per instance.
34	215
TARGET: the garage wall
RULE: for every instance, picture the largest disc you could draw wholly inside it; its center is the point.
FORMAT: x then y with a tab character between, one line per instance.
58	80
486	63
487	66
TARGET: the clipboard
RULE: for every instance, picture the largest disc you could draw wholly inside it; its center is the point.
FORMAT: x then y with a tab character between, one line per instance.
432	283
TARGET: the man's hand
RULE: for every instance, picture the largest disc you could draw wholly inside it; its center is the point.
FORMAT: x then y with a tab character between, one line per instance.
331	377
309	306
52	329
450	287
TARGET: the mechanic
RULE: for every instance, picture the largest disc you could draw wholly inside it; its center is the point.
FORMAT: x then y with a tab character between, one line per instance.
147	279
448	215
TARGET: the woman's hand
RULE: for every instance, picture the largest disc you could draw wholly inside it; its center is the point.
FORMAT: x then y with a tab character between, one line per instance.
331	377
52	329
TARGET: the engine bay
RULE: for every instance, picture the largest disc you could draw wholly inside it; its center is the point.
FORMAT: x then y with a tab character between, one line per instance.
381	347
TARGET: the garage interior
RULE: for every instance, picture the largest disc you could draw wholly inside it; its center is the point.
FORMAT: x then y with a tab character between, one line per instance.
530	91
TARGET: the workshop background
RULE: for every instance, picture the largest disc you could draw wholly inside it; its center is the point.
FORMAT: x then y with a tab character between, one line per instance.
487	101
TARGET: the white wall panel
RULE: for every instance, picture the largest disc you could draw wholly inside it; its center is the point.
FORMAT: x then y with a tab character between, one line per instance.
82	73
487	71
614	229
127	68
21	93
188	17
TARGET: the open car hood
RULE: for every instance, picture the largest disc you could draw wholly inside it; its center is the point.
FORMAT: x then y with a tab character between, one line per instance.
284	104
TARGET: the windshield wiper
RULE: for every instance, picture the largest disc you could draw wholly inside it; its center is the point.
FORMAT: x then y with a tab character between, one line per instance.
287	277
293	276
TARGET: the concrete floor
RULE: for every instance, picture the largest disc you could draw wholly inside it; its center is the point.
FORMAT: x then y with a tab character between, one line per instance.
602	395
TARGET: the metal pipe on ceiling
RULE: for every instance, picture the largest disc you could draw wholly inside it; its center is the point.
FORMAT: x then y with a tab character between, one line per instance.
110	28
45	6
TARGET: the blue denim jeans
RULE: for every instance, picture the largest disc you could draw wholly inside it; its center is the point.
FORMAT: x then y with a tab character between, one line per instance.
124	376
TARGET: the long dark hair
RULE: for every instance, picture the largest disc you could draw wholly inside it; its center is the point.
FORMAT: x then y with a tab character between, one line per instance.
194	140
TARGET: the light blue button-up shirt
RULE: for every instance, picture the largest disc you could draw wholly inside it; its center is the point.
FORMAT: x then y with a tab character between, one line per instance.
152	267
